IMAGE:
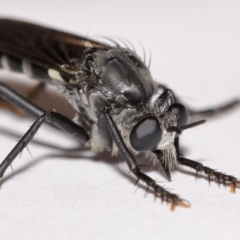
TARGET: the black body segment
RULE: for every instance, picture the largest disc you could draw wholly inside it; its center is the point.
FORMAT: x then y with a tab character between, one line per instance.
14	63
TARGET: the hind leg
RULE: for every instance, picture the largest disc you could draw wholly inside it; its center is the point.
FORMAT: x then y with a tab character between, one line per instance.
212	174
211	112
31	95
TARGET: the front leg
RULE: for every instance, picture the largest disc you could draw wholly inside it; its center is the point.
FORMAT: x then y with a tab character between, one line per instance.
166	196
220	177
214	111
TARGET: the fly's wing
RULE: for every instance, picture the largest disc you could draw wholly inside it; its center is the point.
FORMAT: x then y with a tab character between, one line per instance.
43	46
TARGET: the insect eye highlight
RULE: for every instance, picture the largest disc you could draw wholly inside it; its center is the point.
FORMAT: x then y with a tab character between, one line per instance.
146	134
180	112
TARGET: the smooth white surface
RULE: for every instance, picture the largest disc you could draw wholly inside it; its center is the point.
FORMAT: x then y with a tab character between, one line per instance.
195	49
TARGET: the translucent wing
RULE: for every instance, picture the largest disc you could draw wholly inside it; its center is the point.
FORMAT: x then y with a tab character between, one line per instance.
43	46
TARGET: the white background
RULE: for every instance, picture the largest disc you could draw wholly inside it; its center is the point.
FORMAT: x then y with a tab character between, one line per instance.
195	48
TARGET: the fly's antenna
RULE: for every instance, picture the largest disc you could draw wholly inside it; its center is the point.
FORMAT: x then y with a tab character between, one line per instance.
182	128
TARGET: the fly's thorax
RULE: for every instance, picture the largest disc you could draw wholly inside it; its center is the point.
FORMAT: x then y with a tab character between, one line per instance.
112	77
120	76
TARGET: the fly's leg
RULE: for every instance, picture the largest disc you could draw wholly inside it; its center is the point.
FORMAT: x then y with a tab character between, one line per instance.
55	118
166	196
19	101
220	177
211	112
31	94
52	118
168	97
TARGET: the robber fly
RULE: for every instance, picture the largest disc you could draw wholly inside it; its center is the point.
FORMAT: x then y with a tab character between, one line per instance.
119	107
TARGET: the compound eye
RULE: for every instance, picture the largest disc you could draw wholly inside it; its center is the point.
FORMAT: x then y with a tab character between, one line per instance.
146	135
180	112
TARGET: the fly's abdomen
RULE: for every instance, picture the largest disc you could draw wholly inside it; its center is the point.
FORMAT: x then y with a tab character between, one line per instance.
11	63
31	70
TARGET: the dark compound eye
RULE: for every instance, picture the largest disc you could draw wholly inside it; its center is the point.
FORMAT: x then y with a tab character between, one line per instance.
146	135
180	112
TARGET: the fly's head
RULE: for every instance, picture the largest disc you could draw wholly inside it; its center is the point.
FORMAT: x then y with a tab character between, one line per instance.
158	132
155	135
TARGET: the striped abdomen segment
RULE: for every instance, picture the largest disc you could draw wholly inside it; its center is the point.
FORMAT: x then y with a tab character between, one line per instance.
31	70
